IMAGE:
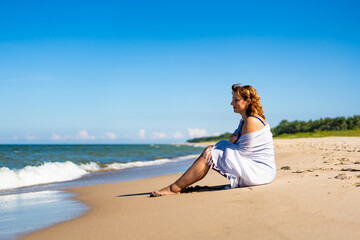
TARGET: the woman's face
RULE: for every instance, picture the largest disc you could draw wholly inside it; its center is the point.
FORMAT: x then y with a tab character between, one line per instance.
239	104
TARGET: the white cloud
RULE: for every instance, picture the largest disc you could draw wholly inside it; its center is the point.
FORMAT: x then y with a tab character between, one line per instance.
196	132
159	135
27	137
142	133
110	135
83	135
177	135
55	137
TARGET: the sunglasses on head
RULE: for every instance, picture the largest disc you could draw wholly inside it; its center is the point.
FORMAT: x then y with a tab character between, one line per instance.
236	85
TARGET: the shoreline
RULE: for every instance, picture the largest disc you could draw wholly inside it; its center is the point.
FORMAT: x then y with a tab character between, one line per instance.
316	199
32	208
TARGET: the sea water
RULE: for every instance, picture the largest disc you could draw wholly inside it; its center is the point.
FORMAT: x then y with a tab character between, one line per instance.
29	165
32	176
27	212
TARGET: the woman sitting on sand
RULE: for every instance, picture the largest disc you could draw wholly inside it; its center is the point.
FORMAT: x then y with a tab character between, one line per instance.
248	157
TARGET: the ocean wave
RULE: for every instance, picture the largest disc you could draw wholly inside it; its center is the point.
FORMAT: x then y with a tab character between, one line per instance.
118	166
48	172
51	172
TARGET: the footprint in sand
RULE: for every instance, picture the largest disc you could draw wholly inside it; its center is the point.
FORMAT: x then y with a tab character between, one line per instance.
350	170
342	176
338	161
285	168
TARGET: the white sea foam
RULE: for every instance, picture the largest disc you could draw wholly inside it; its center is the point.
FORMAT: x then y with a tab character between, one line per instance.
52	172
117	166
136	164
90	167
193	156
46	173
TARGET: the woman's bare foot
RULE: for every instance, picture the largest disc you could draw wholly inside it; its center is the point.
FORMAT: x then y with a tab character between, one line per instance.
170	190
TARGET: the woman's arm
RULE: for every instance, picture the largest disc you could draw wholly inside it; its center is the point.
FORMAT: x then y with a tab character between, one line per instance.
233	138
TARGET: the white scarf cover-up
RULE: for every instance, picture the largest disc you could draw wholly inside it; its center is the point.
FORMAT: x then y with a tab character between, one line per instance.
250	161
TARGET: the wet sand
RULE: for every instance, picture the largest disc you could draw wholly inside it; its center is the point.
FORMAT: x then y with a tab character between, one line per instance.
315	196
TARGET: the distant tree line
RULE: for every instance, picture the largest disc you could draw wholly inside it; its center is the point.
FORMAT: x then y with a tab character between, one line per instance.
286	127
210	139
326	124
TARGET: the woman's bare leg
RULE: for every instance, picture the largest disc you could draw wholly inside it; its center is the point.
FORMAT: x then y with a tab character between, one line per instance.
195	173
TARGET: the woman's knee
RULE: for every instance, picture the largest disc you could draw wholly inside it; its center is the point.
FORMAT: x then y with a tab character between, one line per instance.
206	151
208	148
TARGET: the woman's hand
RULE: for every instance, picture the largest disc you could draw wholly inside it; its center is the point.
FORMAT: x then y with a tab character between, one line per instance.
233	138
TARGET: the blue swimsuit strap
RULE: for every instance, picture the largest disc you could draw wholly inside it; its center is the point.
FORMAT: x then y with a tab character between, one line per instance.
258	118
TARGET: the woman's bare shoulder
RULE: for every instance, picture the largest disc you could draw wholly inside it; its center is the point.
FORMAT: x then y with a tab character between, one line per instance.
252	124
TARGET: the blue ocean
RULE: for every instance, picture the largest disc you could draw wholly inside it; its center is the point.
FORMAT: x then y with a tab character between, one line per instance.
29	165
32	177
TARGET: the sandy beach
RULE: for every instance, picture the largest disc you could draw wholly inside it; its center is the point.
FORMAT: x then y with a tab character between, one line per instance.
315	196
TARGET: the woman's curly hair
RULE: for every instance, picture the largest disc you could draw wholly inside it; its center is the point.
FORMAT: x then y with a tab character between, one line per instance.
247	91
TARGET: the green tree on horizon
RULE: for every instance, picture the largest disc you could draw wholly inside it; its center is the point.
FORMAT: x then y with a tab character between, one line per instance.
293	127
326	124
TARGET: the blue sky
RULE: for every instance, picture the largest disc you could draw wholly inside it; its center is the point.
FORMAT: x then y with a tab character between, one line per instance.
161	71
